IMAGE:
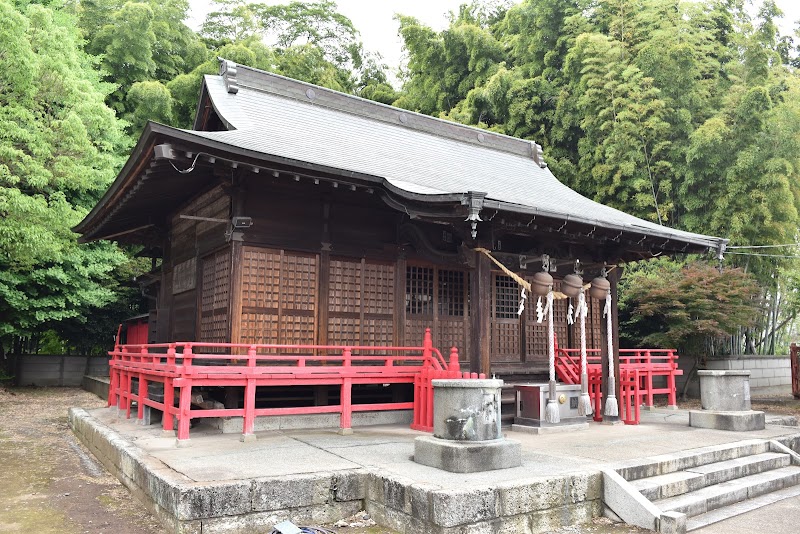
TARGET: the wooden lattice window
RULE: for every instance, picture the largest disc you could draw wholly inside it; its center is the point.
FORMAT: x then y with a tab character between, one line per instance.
279	297
451	293
506	297
505	321
361	299
419	290
214	298
437	299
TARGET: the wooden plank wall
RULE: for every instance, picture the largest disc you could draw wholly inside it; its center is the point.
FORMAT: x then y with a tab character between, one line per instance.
329	267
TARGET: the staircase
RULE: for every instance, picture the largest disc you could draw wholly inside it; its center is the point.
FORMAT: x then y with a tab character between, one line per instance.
707	485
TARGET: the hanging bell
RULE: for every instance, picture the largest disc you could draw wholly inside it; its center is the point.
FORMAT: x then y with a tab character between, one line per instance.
600	288
542	283
572	285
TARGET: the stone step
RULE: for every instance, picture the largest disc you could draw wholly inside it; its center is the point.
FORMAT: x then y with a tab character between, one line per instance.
726	512
694	478
680	461
726	493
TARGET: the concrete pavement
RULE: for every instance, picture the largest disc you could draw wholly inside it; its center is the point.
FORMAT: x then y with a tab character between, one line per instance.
558	484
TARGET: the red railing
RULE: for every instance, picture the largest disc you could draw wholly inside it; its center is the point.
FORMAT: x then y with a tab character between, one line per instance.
629	410
648	362
188	364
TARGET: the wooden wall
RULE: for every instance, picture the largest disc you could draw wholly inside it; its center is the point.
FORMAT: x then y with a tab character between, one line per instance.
327	266
193	299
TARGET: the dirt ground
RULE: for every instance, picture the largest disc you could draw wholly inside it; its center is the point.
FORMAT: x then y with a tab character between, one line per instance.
51	484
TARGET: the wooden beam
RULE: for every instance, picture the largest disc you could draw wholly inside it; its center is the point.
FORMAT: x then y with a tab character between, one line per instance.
481	289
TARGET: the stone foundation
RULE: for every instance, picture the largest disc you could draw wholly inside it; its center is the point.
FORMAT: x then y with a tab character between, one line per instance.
184	506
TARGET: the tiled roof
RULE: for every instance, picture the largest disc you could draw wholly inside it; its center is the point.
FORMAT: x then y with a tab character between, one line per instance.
414	153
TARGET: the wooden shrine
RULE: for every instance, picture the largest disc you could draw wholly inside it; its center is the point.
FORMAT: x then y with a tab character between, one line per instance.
294	214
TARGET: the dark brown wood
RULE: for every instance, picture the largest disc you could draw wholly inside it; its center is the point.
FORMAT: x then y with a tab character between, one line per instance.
400	300
480	308
235	292
323	294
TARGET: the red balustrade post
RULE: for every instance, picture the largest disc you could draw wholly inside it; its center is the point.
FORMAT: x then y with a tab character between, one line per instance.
184	411
167	423
187	359
142	393
672	394
427	345
248	427
649	377
171	356
114	375
345	422
128	391
454	365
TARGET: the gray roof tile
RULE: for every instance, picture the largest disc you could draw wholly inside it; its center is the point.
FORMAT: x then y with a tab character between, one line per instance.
417	154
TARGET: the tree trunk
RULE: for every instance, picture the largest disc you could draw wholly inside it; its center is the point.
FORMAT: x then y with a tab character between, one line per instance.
689	377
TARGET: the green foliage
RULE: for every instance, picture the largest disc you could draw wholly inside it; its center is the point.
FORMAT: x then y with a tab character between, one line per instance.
59	147
141	41
149	101
688	307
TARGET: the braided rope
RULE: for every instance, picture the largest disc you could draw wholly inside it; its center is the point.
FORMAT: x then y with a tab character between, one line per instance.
612	409
551	347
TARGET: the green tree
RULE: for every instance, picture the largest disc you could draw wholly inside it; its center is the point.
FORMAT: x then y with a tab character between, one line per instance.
139	42
149	101
694	308
59	147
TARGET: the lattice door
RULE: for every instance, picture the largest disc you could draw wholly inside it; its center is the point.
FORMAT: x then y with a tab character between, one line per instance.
420	310
452	293
214	299
279	297
360	303
536	333
505	321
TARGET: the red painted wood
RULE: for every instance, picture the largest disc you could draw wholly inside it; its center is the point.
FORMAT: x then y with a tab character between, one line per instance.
191	364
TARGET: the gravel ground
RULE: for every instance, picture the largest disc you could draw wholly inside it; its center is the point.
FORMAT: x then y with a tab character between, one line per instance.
51	484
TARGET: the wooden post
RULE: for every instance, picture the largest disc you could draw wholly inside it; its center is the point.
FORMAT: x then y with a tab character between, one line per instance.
613	278
481	290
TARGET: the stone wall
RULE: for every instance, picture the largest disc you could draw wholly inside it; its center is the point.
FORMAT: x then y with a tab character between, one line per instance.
769	375
184	506
58	370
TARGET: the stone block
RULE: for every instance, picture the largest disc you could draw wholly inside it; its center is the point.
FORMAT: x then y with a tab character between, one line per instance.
523	497
467	456
725	390
735	421
625	501
467	410
421	501
291	491
198	501
453	508
349	485
672	523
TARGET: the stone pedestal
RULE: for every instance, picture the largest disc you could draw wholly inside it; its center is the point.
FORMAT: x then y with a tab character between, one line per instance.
531	403
466	428
725	399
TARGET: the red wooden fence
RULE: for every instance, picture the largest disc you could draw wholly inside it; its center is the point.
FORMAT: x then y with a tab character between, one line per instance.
188	364
794	355
649	363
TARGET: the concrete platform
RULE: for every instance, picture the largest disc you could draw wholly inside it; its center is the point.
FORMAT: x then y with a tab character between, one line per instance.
219	484
740	421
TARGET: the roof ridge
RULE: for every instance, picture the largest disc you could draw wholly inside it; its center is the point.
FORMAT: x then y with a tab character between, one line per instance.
236	76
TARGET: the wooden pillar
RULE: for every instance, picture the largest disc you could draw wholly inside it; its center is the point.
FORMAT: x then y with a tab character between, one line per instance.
480	308
613	278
